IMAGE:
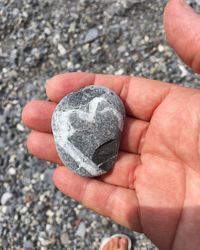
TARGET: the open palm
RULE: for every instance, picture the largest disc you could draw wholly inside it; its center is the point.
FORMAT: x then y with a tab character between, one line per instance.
154	186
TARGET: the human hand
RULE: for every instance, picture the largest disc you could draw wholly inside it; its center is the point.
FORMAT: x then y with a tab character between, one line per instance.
154	186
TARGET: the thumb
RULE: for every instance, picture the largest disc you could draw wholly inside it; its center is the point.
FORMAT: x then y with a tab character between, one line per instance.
182	27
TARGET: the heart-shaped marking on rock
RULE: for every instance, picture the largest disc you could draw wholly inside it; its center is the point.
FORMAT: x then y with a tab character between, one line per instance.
87	127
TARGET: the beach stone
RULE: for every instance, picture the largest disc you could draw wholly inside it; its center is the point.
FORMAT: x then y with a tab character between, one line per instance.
87	127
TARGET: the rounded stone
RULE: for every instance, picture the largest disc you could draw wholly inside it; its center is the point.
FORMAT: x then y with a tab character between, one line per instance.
87	127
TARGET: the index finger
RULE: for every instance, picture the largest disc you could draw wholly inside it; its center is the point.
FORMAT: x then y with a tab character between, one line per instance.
140	96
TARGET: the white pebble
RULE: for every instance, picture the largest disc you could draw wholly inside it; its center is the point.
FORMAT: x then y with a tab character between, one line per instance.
4	209
47	31
61	49
183	70
12	158
160	48
5	198
4	70
48	228
146	39
49	213
46	242
23	210
12	171
119	72
20	127
42	177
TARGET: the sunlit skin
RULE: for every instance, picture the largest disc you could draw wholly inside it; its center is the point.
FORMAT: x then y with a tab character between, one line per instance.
154	186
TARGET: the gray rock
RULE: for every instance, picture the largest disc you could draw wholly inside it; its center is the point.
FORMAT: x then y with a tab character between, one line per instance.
81	230
28	244
64	238
82	214
87	125
1	229
91	35
2	145
2	119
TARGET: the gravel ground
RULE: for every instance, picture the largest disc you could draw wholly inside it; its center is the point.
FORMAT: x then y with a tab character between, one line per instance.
37	40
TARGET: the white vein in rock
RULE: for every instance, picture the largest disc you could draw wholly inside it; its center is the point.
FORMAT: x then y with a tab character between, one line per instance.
66	130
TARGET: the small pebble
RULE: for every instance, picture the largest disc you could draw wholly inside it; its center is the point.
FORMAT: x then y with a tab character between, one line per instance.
160	48
28	245
6	197
64	238
91	35
81	230
12	171
20	127
61	49
183	70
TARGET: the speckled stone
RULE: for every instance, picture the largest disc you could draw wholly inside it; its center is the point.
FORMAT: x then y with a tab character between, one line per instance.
87	126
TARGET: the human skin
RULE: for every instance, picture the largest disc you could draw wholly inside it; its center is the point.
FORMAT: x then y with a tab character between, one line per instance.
154	186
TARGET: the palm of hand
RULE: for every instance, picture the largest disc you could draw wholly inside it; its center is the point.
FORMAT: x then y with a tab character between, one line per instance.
154	186
168	182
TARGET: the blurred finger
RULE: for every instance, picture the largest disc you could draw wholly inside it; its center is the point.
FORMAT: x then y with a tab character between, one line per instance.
182	26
